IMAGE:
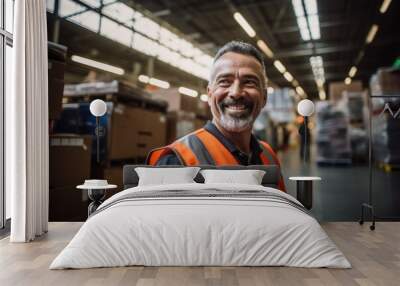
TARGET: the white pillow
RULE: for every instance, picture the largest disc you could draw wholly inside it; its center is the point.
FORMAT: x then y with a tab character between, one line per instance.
248	177
163	176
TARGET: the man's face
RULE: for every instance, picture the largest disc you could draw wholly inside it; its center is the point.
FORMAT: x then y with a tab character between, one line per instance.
236	91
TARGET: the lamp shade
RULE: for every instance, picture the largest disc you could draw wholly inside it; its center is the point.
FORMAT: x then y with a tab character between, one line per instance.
305	107
98	107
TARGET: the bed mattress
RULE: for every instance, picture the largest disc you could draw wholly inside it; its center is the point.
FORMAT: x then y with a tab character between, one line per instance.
201	225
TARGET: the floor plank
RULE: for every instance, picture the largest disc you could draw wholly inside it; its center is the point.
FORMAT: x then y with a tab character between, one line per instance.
375	256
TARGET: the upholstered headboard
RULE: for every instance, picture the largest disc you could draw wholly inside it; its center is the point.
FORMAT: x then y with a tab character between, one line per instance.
270	179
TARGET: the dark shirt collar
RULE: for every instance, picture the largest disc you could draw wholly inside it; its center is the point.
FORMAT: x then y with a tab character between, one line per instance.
254	145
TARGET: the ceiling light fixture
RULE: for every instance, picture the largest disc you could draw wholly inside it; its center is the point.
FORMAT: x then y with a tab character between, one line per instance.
322	94
97	65
204	97
288	76
311	7
244	24
144	78
298	8
188	91
304	32
153	81
264	47
384	6
308	20
371	34
347	80
299	90
159	83
279	66
352	71
313	23
317	66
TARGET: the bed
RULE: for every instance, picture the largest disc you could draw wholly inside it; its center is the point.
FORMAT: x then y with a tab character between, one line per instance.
201	224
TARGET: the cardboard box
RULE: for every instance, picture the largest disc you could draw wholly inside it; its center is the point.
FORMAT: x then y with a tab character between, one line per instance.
203	110
388	80
336	89
69	159
129	132
180	124
114	175
135	131
68	204
176	101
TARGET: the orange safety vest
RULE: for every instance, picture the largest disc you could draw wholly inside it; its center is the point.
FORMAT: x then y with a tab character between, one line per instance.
203	148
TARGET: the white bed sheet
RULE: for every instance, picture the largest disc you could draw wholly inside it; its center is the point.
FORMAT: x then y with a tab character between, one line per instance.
200	231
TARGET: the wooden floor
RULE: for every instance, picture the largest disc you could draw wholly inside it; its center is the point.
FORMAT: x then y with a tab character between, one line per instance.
375	257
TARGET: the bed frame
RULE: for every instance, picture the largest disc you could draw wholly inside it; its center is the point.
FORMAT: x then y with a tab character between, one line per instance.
270	179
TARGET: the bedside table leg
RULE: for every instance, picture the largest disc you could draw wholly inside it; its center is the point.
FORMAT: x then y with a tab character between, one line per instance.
305	193
97	197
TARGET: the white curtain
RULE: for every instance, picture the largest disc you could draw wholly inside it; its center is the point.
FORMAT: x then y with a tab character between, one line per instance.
27	124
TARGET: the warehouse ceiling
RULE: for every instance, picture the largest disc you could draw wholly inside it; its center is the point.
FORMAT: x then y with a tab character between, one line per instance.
341	43
344	26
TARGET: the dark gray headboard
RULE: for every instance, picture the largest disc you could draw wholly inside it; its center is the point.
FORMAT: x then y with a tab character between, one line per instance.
271	177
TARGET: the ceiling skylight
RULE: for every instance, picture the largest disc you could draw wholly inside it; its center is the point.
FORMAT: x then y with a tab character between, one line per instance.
307	20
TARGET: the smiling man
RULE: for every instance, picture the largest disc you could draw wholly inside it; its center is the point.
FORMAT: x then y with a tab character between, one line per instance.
236	94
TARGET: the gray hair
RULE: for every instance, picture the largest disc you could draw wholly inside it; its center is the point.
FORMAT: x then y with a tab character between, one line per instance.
243	48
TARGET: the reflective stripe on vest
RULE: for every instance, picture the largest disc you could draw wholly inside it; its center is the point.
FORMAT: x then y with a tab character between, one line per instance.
155	155
219	153
185	153
200	151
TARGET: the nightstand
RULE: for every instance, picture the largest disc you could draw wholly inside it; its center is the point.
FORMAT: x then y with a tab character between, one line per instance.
304	190
96	192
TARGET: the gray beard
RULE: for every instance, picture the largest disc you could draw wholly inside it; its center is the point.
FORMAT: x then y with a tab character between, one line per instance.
233	124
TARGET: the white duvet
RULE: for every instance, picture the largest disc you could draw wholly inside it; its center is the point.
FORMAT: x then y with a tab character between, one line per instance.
192	231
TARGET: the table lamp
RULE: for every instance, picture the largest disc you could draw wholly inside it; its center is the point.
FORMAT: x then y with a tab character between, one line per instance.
304	190
98	108
305	108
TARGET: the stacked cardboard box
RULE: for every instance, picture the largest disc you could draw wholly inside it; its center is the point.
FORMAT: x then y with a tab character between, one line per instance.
113	91
332	138
185	113
336	89
69	166
133	125
355	105
183	103
181	123
129	132
134	132
176	101
280	105
385	82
